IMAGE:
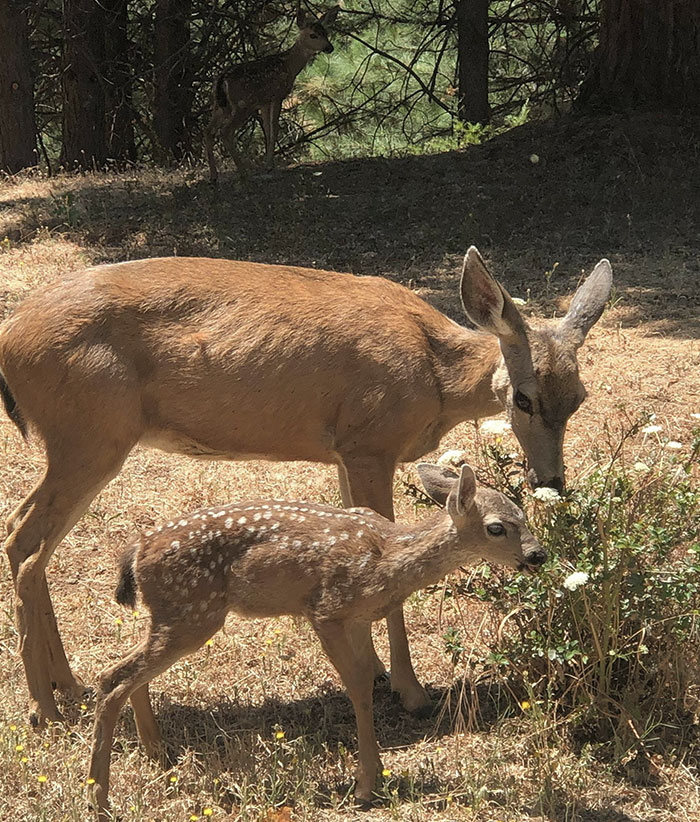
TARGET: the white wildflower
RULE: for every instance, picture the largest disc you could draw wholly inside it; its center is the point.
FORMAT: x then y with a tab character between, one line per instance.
576	580
534	159
642	467
549	496
652	429
495	427
673	445
453	457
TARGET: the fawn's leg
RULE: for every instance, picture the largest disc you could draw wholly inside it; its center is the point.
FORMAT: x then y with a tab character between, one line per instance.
75	473
163	646
270	122
349	649
146	725
370	483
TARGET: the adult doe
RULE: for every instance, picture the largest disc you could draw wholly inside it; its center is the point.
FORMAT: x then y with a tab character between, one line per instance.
341	569
261	86
237	360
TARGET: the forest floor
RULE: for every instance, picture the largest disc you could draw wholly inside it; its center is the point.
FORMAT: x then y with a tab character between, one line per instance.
543	203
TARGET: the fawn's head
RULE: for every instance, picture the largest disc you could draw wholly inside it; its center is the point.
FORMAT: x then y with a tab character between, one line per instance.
312	31
492	525
537	382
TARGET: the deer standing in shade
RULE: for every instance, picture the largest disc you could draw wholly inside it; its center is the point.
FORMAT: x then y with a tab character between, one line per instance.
236	360
261	86
341	569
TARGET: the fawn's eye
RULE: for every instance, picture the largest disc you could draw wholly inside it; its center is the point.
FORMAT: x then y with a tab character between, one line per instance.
495	529
523	402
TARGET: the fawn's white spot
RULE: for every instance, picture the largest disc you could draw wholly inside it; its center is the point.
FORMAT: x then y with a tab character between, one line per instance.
228	522
344	535
175	544
242	521
183	522
360	533
256	517
267	515
274	526
332	540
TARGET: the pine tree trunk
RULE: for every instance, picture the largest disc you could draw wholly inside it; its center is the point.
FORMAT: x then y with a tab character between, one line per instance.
473	60
84	144
118	85
17	123
172	93
649	55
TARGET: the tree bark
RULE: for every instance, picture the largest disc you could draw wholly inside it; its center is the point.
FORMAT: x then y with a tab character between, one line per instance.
172	93
473	60
84	144
649	56
17	123
118	84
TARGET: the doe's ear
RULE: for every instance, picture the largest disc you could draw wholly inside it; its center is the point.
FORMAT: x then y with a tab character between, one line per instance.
587	305
462	497
437	480
487	304
328	18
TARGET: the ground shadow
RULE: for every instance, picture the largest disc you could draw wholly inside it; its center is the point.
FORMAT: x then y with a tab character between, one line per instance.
621	187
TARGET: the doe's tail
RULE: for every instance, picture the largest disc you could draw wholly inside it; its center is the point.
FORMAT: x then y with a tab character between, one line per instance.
11	407
125	593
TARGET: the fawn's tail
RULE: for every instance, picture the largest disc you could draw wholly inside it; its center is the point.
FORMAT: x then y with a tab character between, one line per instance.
125	593
11	406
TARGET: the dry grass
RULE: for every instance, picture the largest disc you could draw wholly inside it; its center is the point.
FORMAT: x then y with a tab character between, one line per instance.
602	188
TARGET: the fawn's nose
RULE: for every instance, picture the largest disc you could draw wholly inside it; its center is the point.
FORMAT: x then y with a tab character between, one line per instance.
328	49
535	557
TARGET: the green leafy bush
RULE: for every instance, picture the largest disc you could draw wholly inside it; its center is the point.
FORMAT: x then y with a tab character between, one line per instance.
608	633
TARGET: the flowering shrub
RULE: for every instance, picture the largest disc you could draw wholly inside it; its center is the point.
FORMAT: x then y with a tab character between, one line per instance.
610	629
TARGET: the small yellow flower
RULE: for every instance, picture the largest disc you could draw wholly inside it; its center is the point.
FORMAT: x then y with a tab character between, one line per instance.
209	643
90	781
279	735
47	744
525	705
193	818
13	727
386	772
173	780
83	706
43	778
216	780
268	642
24	760
207	812
135	614
19	748
118	621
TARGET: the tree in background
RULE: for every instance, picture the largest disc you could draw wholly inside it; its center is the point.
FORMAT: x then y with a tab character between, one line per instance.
649	55
473	60
84	135
172	100
17	123
118	83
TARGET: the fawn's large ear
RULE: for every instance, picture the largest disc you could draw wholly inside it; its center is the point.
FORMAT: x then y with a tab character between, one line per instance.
487	304
437	480
462	496
301	17
586	306
328	18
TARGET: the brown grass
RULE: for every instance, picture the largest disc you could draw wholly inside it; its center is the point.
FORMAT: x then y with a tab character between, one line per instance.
622	189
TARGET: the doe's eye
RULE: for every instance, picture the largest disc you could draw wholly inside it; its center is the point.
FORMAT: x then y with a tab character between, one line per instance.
495	529
523	402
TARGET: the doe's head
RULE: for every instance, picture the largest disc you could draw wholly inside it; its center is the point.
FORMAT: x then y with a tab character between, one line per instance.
312	31
492	525
537	381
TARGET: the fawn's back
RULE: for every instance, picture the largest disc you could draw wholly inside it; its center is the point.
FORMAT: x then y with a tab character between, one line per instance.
260	558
